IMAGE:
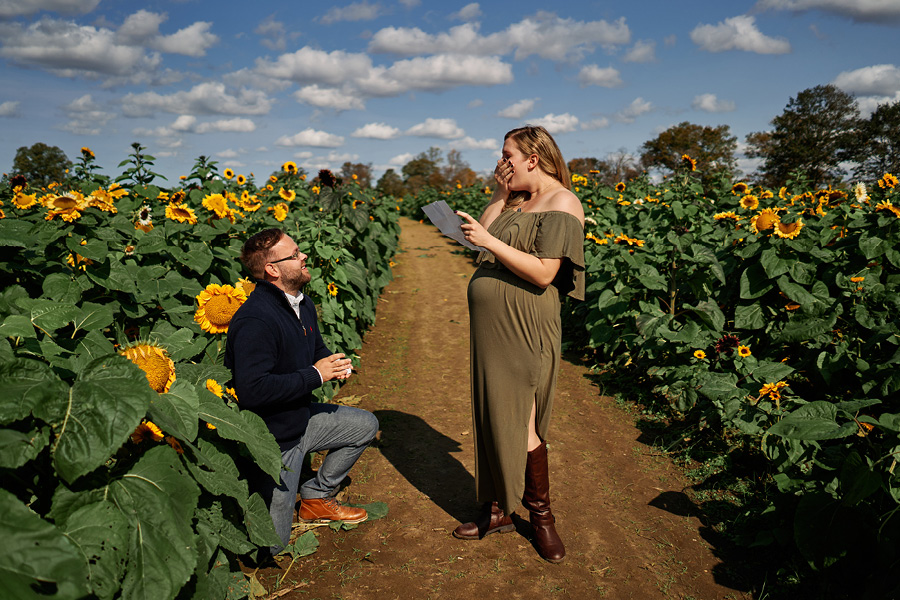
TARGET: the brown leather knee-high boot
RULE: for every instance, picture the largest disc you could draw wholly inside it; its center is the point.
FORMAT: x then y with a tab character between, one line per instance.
537	501
491	520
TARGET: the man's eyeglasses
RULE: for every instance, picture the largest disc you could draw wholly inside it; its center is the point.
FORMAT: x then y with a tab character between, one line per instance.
293	256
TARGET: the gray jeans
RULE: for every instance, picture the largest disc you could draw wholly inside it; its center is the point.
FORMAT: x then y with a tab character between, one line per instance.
342	430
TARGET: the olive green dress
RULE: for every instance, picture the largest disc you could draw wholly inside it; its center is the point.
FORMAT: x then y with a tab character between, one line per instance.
515	339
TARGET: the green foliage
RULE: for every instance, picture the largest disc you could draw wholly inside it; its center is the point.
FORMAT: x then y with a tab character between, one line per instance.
99	503
772	329
813	135
41	164
712	148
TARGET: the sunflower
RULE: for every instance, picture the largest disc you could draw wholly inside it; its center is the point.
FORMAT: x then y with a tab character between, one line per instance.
739	189
788	231
773	390
272	179
181	213
280	211
144	220
315	189
67	206
620	187
287	194
232	393
887	181
176	445
213	386
727	215
750	202
216	306
162	195
700	354
859	190
241	180
766	195
147	431
105	199
218	204
332	289
766	219
356	203
289	167
86	152
228	173
689	162
246	285
595	239
744	351
154	361
858	279
791	306
888	206
177	196
22	201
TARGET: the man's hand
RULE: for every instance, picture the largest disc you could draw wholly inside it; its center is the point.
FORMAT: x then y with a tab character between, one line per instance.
336	366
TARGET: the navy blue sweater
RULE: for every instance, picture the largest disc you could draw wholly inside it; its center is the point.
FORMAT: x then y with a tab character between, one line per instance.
271	355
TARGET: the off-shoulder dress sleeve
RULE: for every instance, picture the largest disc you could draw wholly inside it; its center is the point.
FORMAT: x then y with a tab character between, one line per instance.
561	235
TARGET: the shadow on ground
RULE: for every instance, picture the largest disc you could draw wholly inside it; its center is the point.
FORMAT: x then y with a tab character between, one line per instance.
424	457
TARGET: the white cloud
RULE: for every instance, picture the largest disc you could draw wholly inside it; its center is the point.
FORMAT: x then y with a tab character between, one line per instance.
72	50
129	55
738	33
545	35
881	80
475	103
710	103
643	51
440	128
401	159
670	40
21	8
86	117
303	155
604	77
311	137
235	125
554	124
376	131
273	33
519	109
410	3
435	73
203	99
308	65
469	12
638	107
358	11
189	124
873	11
868	104
9	109
598	123
470	143
228	153
314	95
189	41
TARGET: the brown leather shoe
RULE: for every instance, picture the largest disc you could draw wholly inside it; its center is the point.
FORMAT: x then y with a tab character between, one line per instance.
537	501
323	510
491	520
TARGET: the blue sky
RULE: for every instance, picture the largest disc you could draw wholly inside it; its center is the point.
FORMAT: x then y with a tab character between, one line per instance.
380	81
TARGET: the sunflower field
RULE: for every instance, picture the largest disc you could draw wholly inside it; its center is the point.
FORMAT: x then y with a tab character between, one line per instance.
120	442
766	322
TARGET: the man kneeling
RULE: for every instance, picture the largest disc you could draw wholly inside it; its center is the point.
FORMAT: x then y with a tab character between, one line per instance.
277	358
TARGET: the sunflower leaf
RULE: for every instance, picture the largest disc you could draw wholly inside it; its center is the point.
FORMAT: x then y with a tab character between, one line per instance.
100	531
34	551
180	405
27	383
160	500
103	407
242	426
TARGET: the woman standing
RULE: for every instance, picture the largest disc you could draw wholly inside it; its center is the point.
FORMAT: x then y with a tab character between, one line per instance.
533	235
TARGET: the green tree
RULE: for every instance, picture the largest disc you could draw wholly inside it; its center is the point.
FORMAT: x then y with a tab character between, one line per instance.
362	171
391	184
812	136
877	150
424	171
712	148
41	164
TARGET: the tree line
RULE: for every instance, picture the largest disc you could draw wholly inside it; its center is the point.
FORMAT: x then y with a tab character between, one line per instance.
820	136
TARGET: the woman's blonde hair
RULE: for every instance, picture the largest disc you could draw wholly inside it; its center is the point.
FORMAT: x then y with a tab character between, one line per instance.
534	139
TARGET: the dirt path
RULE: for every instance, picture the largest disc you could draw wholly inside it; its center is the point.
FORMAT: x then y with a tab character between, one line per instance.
620	511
